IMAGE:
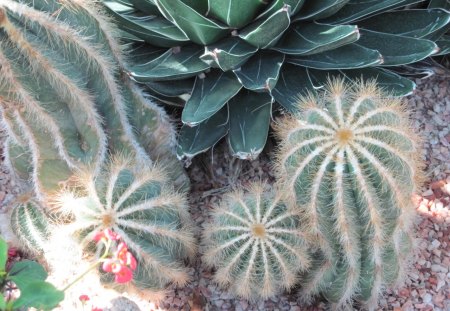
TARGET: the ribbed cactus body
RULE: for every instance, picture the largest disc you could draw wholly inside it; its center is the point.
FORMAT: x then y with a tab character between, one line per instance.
349	160
63	99
255	243
136	202
30	223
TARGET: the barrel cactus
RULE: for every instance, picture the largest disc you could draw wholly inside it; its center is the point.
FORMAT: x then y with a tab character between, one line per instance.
228	61
255	243
63	100
349	161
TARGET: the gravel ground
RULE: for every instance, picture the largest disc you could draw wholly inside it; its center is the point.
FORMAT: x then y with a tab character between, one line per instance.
427	286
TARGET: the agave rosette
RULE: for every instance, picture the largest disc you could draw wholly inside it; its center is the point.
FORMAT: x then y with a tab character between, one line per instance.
230	62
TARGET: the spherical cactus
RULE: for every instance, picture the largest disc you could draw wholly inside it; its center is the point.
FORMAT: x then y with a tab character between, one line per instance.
255	243
136	202
349	159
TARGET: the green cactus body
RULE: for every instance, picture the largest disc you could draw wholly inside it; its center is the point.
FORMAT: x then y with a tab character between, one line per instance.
255	244
226	62
136	202
61	101
349	159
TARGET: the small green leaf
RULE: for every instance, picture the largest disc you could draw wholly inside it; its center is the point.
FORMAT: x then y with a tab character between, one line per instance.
25	272
39	295
210	94
318	9
228	54
354	10
397	50
260	73
235	13
409	23
311	38
266	32
250	115
195	140
198	28
3	254
170	65
294	81
349	56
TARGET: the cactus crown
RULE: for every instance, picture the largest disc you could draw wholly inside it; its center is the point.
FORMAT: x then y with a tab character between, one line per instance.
349	159
255	244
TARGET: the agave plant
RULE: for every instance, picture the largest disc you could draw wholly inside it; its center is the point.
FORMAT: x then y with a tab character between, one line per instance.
228	62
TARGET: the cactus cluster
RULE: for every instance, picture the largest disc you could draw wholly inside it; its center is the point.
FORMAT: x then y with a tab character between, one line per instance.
255	243
349	161
229	62
66	105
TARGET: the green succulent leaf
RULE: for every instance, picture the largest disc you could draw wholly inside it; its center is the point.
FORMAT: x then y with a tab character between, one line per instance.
293	82
228	54
147	6
346	57
39	295
444	4
197	28
2	303
444	45
311	38
209	95
278	4
3	254
397	50
175	101
249	125
25	272
409	23
172	88
260	73
318	9
357	9
155	30
195	140
171	65
235	13
265	33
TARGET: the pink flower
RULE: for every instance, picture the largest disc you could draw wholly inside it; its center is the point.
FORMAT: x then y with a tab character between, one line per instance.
84	298
124	275
105	235
96	309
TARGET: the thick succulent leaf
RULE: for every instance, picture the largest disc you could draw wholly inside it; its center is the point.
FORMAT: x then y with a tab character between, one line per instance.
444	4
147	6
195	140
295	5
235	13
397	50
357	9
197	28
349	56
172	88
155	30
311	38
293	82
266	32
170	65
228	54
250	115
201	6
209	95
317	9
444	45
175	101
410	23
260	73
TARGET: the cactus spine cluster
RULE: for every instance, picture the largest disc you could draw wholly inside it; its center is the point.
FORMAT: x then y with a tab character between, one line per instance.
66	105
255	243
349	160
